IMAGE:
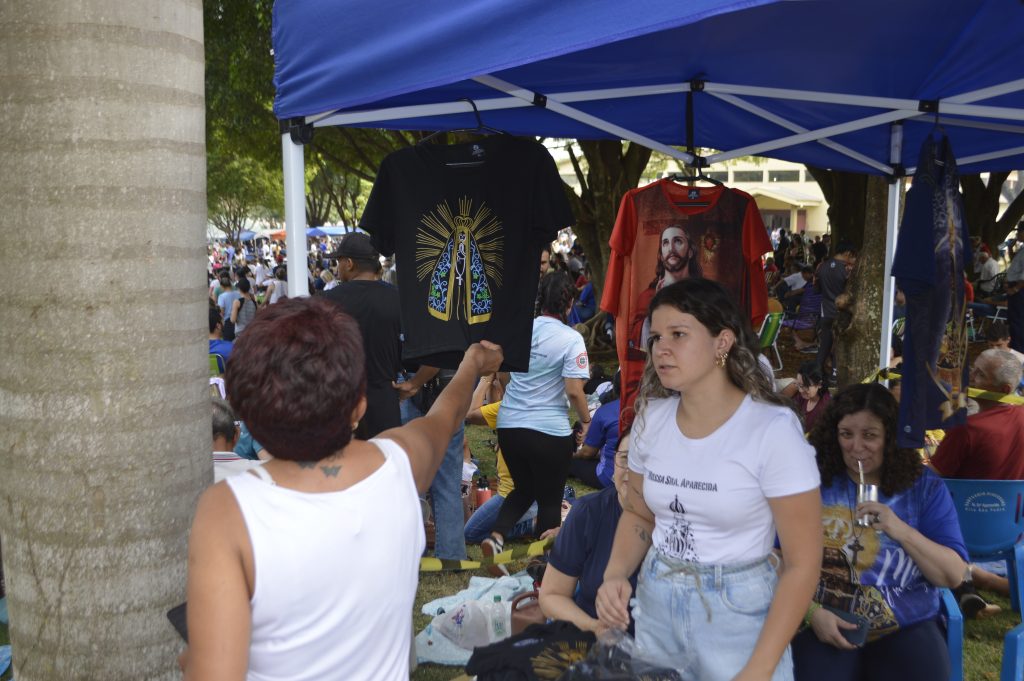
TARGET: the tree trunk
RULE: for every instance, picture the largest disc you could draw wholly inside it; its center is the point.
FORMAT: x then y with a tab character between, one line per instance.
857	206
104	409
611	172
857	346
981	206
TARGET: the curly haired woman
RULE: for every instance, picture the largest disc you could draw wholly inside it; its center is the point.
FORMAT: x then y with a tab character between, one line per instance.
888	572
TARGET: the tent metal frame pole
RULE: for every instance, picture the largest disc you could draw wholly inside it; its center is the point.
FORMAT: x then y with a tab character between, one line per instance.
964	123
793	127
556	106
978	158
891	226
493	104
987	93
294	169
815	135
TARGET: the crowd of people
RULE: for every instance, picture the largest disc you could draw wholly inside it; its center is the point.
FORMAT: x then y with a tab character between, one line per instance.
726	532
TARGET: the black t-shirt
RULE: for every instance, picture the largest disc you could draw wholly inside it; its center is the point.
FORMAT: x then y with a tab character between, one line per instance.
466	224
832	278
374	305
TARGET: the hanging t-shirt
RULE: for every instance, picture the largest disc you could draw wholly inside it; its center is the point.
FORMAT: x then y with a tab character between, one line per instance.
466	223
666	232
868	573
710	495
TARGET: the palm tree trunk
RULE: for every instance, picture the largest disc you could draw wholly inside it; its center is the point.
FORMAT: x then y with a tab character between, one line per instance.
104	414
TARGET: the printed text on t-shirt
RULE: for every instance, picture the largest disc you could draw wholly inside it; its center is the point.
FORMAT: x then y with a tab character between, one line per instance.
699	485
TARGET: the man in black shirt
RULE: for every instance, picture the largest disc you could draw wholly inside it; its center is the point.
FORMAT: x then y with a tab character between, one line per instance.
830	282
375	307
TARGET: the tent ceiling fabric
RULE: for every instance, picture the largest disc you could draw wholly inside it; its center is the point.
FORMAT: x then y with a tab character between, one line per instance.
335	58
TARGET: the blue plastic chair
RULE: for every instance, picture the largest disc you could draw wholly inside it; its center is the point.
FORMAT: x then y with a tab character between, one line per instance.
991	514
954	633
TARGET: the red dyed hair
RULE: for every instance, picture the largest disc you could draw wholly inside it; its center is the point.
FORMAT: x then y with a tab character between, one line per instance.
296	374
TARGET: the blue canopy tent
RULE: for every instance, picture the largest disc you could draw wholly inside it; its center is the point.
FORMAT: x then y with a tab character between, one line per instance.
315	233
841	85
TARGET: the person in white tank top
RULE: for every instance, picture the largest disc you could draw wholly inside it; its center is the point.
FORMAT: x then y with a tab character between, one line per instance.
307	569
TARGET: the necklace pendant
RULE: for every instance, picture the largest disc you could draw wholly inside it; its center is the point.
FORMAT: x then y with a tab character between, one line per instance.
459	279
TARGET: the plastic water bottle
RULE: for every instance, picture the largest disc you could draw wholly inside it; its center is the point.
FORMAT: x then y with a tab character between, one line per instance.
499	617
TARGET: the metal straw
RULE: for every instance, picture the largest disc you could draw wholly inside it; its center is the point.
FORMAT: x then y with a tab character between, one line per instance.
860	467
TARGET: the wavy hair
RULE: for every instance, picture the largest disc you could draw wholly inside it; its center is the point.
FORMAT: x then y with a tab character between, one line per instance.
556	293
901	466
716	310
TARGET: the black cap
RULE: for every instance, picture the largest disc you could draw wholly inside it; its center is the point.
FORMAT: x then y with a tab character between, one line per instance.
356	246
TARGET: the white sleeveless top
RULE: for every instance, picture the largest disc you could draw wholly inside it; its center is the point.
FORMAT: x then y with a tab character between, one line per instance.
335	574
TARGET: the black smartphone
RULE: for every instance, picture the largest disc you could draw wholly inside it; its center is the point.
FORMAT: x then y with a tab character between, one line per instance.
858	636
176	615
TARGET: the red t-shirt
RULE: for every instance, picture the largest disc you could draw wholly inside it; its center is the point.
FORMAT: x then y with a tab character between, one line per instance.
990	446
726	239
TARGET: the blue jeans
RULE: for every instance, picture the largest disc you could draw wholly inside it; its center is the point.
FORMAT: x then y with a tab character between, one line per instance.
480	524
445	494
704	619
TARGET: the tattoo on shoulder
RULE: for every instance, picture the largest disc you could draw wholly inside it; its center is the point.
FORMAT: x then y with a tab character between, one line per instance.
642	533
307	464
330	471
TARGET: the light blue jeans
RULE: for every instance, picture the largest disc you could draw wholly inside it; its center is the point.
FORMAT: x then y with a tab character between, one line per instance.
704	619
480	524
445	494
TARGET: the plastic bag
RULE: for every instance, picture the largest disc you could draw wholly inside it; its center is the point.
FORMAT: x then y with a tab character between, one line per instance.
615	657
475	623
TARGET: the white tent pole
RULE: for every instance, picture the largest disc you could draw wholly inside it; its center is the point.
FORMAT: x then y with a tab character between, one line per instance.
948	105
891	225
492	104
815	135
793	127
577	115
295	216
987	93
982	111
978	158
812	96
965	123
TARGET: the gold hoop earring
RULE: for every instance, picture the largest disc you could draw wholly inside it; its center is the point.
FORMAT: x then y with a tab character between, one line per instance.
720	360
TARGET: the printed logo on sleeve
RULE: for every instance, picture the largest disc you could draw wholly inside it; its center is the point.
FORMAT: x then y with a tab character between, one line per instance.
581	360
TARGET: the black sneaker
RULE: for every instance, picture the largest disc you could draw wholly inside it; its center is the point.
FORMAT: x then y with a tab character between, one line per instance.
491	547
971	604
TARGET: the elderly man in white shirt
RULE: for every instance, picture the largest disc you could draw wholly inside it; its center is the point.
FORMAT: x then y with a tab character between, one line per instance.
986	268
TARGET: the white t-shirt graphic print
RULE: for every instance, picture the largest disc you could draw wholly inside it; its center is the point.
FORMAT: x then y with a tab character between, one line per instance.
710	495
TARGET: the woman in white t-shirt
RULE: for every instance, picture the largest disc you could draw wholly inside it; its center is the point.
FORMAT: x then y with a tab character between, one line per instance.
717	466
533	425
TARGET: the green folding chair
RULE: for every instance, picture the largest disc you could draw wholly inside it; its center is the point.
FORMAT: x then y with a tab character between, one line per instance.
769	335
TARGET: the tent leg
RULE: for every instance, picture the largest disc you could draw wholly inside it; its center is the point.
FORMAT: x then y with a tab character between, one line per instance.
892	216
295	216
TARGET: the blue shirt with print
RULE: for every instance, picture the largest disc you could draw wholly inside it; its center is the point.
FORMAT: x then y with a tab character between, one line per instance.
870	574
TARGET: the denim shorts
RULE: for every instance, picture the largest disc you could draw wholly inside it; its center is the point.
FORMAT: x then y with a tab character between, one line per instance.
704	620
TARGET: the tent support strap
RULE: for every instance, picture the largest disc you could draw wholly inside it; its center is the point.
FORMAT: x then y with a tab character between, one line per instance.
558	107
295	215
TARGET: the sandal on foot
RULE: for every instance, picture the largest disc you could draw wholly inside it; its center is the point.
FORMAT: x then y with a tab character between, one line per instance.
491	547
